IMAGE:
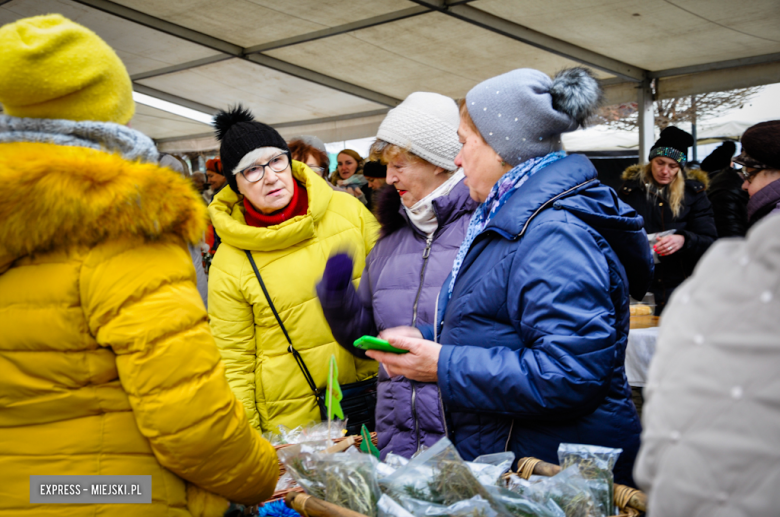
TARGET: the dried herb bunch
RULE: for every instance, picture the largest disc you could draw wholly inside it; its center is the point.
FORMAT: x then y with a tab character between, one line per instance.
454	482
517	505
600	484
437	477
344	479
580	505
570	491
350	482
302	463
595	464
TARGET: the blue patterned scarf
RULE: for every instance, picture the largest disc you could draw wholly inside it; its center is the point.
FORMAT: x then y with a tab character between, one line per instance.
498	196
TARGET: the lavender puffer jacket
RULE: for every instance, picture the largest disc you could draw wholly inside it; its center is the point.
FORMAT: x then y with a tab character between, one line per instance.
403	275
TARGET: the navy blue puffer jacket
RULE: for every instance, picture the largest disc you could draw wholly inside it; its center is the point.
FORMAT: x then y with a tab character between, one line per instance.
535	333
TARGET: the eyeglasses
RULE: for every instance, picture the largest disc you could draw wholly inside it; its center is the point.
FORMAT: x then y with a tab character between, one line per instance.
748	176
256	172
318	170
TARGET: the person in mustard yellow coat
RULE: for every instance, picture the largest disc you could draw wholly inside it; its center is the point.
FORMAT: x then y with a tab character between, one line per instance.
291	221
107	364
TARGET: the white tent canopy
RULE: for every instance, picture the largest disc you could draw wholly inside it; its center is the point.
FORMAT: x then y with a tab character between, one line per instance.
333	67
601	138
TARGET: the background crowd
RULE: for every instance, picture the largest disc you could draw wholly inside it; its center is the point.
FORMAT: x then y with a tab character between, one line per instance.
468	238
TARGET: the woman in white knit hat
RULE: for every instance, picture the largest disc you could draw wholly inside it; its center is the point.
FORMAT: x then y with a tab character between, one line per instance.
424	213
530	333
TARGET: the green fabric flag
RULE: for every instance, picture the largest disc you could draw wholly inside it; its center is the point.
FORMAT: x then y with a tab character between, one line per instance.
333	396
367	445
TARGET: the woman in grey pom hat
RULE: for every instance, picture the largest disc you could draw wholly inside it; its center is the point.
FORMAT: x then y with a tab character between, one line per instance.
528	342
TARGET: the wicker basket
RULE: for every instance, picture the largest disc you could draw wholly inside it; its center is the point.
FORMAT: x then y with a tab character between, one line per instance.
630	502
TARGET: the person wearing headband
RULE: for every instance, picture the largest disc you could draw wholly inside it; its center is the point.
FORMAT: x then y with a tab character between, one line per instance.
674	207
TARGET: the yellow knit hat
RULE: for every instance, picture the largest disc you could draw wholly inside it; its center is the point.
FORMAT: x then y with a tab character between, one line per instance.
54	68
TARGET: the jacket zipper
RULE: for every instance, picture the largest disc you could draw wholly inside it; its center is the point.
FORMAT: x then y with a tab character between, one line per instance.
426	254
551	200
414	412
443	414
436	317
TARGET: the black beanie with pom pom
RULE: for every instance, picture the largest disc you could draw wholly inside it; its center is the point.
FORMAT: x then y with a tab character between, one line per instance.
673	143
239	134
720	158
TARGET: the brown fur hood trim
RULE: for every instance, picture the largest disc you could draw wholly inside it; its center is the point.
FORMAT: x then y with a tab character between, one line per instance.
55	196
632	173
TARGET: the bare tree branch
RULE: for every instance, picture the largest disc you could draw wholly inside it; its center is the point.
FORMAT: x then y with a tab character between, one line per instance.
671	112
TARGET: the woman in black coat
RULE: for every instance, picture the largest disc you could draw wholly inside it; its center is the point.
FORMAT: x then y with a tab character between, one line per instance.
661	193
729	203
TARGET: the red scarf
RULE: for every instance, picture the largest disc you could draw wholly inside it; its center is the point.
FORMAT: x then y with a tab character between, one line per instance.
298	205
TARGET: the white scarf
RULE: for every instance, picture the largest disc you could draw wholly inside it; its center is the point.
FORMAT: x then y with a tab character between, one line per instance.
422	215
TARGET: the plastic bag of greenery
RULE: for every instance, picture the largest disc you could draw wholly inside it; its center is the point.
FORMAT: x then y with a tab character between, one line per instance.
519	485
516	505
344	479
473	507
308	433
392	463
489	468
302	461
596	464
570	491
438	476
387	507
350	481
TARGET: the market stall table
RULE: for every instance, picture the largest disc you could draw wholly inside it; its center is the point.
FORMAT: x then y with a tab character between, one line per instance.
640	349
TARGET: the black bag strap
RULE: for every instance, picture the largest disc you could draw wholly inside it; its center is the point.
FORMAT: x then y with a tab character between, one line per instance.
291	348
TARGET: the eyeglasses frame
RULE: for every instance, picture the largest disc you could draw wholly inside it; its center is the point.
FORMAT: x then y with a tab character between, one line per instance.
264	165
748	176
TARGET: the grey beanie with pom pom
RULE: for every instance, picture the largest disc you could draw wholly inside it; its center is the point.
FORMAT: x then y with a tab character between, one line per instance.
521	114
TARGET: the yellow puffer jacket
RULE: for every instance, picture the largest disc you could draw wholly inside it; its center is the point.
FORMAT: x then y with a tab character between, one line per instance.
291	257
107	365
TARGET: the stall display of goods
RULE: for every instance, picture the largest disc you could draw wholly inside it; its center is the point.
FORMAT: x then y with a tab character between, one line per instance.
314	438
640	309
437	482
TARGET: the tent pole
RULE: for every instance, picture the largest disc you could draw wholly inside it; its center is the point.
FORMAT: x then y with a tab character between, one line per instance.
695	157
646	119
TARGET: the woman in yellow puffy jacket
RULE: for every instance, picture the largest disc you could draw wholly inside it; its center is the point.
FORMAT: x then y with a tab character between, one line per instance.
107	365
290	221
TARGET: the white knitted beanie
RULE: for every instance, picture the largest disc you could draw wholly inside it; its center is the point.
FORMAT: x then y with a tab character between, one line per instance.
427	125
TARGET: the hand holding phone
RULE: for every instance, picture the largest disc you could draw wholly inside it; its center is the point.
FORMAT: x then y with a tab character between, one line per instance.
374	343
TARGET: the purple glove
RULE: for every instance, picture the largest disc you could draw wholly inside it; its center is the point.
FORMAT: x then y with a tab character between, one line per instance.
338	272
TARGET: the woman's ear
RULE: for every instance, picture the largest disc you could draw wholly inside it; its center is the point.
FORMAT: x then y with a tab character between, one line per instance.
440	170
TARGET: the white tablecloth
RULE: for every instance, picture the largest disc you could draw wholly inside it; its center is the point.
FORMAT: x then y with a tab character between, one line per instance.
639	352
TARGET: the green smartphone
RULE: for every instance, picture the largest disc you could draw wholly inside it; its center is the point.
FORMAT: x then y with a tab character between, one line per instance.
374	343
